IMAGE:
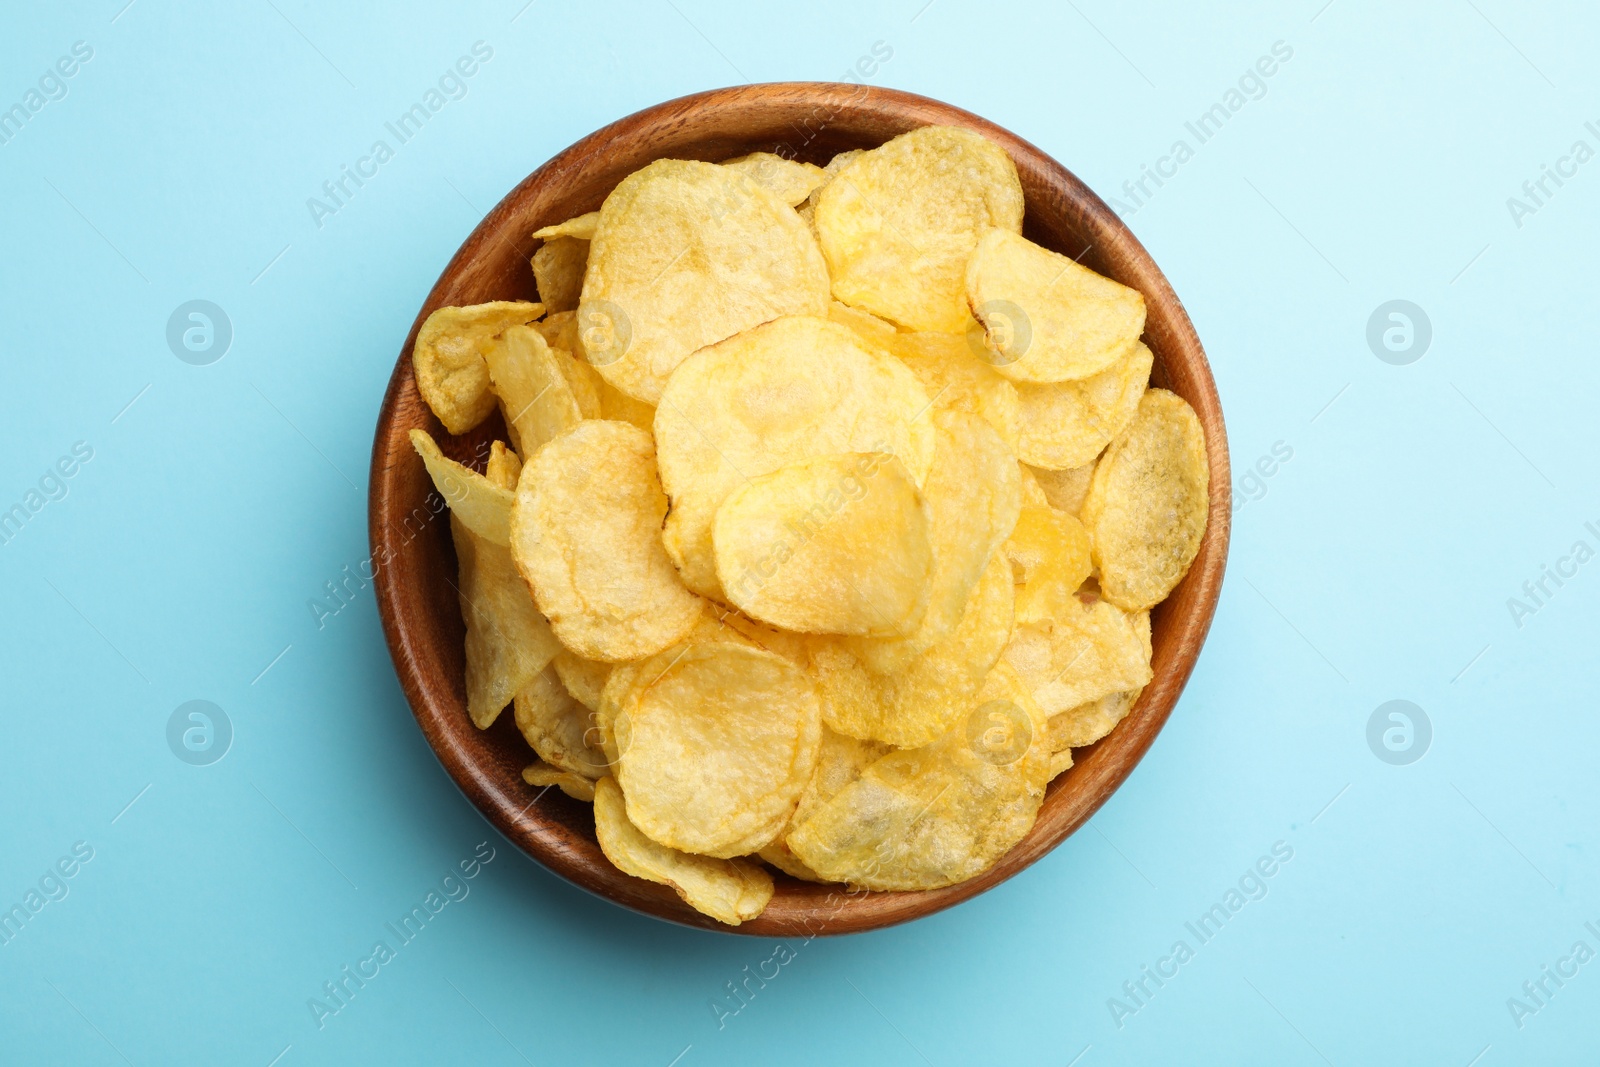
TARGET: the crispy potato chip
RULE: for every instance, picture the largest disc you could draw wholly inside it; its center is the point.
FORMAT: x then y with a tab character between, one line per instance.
1032	492
1049	553
557	727
447	359
585	535
934	816
791	646
1079	655
585	382
558	267
788	179
479	504
585	679
535	399
1148	503
787	390
575	786
583	227
1046	318
1065	490
831	544
840	761
1089	722
687	254
559	330
1066	424
898	223
917	704
972	499
729	891
714	744
1060	761
808	210
620	407
504	468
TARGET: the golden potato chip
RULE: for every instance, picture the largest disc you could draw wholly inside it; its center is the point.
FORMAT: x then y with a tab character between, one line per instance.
840	761
1090	721
575	786
585	679
831	544
1148	503
557	727
687	254
479	504
784	391
897	224
535	398
583	227
788	179
972	498
1032	492
559	330
1060	761
585	533
503	469
558	267
714	744
583	381
729	891
1065	490
1047	318
934	816
1066	424
808	210
791	646
447	359
1049	553
1079	655
620	407
915	705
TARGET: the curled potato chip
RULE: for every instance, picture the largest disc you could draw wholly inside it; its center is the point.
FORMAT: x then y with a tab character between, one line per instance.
585	535
1060	761
585	679
898	223
557	727
687	254
1049	553
1079	655
729	891
447	359
1090	721
558	267
583	227
972	499
831	544
1148	503
503	469
1032	493
535	397
914	705
1065	490
584	382
620	407
1046	317
788	179
840	761
559	330
479	504
575	786
1066	424
784	391
928	817
714	743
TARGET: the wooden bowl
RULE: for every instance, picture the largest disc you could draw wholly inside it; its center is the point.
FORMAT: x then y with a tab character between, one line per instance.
415	560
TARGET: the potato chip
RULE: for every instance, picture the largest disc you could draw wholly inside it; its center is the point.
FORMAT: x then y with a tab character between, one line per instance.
1067	424
585	383
808	210
1079	655
585	535
583	227
1065	490
1090	721
479	504
714	743
557	727
1060	761
972	500
787	390
840	761
447	360
535	398
620	407
897	224
730	891
1049	554
688	254
1148	503
575	786
503	469
831	544
1032	493
920	702
788	179
558	267
585	679
929	817
559	330
1047	318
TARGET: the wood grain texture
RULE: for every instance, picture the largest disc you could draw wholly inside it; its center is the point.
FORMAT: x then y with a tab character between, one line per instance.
416	565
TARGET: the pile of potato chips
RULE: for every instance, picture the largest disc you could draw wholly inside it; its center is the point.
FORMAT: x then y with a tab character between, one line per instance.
831	517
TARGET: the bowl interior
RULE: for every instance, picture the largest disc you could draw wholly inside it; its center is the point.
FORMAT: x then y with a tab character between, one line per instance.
416	564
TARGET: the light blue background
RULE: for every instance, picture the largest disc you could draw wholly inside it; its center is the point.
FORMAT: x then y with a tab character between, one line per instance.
1377	564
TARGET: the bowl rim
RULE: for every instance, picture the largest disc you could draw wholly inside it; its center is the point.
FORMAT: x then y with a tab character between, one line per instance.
807	909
